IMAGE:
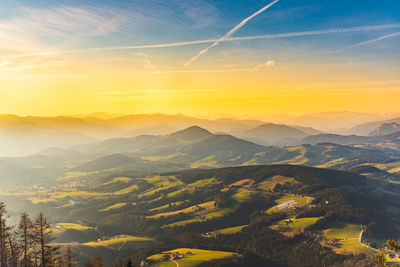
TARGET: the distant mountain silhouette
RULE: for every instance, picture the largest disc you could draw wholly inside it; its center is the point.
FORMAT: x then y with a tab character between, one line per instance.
386	129
335	138
274	134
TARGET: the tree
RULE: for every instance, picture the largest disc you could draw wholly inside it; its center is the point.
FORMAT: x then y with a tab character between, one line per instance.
4	233
43	238
25	237
14	249
380	260
69	258
97	262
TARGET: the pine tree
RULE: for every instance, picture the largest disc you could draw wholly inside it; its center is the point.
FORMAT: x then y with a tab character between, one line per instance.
97	262
25	237
43	238
13	248
69	258
4	232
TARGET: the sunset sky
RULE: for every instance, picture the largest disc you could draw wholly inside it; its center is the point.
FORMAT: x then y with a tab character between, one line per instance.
139	56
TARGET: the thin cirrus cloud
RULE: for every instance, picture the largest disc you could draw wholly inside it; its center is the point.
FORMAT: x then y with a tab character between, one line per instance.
31	28
268	64
4	63
145	60
230	33
231	39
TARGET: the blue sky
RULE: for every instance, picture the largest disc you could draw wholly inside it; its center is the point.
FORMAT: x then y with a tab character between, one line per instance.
149	21
62	43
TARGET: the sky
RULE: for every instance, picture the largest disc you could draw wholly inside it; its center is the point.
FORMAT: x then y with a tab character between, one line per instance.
237	57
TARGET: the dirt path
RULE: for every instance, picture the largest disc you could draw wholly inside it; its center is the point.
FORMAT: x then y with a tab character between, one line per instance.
362	244
177	264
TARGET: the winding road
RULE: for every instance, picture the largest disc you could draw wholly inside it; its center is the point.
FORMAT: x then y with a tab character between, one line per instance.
362	244
177	264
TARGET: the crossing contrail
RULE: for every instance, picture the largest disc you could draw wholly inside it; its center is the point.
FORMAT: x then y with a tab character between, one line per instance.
231	39
230	33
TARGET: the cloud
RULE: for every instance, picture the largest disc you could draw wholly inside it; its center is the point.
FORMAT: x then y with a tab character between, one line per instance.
50	52
32	30
199	13
230	33
4	63
268	64
66	20
146	62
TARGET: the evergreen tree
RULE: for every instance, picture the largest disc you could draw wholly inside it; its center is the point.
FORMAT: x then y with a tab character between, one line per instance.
43	238
25	237
69	258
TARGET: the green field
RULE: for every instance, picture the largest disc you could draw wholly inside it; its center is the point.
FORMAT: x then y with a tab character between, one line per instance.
118	240
230	230
127	190
243	195
115	206
71	175
79	194
179	192
119	179
295	226
38	200
342	230
160	183
61	227
193	258
272	182
333	163
153	180
175	204
299	159
347	235
302	201
207	216
204	182
200	207
206	162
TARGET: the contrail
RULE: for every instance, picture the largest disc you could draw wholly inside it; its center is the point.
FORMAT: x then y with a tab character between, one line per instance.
378	39
231	39
319	32
230	33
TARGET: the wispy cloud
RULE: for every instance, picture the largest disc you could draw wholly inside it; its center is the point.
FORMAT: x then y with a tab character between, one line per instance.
268	64
230	33
4	63
146	62
231	39
33	29
66	21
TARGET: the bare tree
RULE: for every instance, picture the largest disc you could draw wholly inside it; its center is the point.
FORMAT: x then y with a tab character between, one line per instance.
97	262
4	232
43	233
69	257
25	237
14	249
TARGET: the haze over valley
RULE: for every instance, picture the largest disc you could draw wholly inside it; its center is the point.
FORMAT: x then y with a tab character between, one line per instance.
199	133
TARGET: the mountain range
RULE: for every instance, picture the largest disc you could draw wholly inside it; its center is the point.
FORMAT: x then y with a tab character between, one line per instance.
193	147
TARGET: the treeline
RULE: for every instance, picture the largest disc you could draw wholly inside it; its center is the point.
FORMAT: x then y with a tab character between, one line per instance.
29	243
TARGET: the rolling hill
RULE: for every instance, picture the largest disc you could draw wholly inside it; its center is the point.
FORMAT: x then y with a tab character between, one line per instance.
366	128
386	129
263	213
195	147
274	134
335	138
